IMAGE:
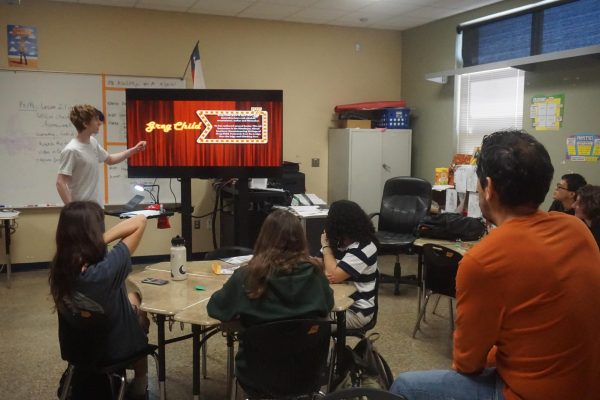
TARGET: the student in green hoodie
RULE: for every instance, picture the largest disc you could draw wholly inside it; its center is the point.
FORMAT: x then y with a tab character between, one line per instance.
281	281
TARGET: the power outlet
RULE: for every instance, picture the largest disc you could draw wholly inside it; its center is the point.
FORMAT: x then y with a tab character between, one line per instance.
197	224
315	162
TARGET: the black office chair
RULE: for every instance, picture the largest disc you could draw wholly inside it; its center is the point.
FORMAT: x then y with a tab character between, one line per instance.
228	251
405	201
439	277
83	339
283	359
362	393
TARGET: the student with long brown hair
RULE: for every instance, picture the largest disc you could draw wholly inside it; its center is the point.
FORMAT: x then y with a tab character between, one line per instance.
280	282
280	273
85	277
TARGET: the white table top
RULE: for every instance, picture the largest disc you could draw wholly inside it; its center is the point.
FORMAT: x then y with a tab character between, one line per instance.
181	299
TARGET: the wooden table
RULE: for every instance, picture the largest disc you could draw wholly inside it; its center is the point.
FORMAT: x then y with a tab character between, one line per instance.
181	301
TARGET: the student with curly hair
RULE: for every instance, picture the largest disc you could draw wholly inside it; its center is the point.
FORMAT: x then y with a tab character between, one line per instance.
350	254
587	208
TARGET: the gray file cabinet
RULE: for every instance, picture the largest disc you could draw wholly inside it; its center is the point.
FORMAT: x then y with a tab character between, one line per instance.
361	160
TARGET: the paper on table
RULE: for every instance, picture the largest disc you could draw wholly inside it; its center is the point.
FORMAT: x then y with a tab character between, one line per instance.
316	200
465	178
451	201
309	211
239	260
473	210
441	188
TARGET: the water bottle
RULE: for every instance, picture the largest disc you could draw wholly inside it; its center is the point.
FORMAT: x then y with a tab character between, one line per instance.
178	258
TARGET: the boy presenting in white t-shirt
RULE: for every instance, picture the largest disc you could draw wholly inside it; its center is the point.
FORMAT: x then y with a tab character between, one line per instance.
78	175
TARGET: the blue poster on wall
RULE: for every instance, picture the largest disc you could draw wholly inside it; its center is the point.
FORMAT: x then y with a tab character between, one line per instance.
22	46
583	147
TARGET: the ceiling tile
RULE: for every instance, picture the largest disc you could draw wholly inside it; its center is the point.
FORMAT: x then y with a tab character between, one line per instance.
380	14
315	14
297	3
171	5
112	3
219	7
269	10
431	13
347	5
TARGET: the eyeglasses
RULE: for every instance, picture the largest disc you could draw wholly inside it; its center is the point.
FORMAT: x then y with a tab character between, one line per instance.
558	186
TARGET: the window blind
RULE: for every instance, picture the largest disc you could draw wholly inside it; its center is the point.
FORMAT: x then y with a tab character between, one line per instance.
488	101
544	27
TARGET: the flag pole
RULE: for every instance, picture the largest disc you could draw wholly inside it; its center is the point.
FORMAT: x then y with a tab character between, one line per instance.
190	59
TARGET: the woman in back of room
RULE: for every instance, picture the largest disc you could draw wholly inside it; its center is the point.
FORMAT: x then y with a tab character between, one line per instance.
587	207
350	254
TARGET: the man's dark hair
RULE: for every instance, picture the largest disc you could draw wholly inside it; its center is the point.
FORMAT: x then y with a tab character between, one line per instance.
574	181
519	166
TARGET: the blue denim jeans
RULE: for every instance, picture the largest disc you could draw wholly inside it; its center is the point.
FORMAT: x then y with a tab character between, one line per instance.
449	385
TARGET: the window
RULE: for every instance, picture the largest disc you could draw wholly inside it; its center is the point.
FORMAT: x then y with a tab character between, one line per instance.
487	102
544	27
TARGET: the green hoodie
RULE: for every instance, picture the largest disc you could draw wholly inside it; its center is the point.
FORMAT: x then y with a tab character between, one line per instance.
303	293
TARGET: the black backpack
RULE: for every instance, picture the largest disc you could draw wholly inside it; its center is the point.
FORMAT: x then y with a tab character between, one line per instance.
363	366
451	226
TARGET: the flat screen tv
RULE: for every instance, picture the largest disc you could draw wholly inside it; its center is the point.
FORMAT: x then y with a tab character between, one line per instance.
205	133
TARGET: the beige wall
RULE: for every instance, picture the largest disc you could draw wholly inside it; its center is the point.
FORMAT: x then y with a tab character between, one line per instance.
430	48
316	66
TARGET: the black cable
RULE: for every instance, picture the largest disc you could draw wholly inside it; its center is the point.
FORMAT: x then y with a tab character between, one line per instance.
206	215
214	217
171	189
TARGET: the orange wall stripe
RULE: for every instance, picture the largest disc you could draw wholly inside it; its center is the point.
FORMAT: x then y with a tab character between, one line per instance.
105	135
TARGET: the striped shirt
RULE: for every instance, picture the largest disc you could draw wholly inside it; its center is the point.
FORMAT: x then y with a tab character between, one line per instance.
360	262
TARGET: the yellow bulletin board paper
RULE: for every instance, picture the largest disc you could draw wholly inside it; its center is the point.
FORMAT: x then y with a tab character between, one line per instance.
547	112
583	147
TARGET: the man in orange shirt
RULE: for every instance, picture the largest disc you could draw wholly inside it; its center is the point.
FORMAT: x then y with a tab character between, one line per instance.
527	294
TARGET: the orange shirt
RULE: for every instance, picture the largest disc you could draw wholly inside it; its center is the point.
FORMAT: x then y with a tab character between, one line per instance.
531	288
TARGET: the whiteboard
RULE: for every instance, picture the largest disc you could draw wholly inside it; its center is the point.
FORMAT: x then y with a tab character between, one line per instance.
35	126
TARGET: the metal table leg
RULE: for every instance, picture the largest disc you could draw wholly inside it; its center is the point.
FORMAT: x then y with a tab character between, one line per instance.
160	323
7	249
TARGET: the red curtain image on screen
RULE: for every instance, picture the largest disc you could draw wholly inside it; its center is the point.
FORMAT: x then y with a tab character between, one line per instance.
205	133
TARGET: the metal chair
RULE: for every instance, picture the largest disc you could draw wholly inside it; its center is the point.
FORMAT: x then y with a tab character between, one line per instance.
362	393
83	339
405	201
439	277
283	359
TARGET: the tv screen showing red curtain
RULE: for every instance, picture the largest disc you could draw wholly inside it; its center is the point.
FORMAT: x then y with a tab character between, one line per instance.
205	128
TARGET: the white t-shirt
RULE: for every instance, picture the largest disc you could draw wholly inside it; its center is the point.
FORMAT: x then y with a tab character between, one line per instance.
80	162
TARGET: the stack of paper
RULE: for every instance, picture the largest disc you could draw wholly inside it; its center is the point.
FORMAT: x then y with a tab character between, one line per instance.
238	261
309	211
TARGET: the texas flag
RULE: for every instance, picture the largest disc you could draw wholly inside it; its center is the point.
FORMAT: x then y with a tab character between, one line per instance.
197	73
